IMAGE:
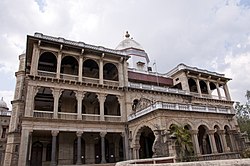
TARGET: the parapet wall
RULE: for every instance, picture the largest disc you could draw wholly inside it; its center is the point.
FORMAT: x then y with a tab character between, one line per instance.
231	162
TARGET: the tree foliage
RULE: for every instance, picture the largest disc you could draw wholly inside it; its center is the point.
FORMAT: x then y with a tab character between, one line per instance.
243	115
183	142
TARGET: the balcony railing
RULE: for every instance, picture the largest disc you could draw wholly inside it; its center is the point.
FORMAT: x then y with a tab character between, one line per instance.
46	73
91	117
112	118
43	114
67	115
5	113
69	77
182	107
111	83
90	80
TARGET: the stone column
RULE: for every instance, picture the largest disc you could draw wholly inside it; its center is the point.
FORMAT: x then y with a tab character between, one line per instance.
58	67
125	72
101	98
198	86
223	140
80	69
209	89
136	149
79	97
31	92
124	146
227	92
56	94
34	60
102	134
54	134
121	108
194	134
79	147
232	140
120	73
23	150
212	141
218	90
101	70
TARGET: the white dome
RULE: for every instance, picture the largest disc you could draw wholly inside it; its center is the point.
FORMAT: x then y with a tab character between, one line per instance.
3	104
128	43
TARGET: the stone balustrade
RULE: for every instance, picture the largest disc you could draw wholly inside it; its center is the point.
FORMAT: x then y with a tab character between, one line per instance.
181	107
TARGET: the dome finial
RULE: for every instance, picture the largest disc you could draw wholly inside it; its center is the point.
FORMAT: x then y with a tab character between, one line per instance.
127	35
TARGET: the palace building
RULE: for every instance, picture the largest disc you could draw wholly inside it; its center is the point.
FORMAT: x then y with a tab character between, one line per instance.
77	103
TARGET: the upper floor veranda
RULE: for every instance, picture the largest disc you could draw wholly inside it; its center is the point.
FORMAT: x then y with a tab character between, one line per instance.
61	59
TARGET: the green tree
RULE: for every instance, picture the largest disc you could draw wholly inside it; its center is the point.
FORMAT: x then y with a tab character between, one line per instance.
183	142
243	114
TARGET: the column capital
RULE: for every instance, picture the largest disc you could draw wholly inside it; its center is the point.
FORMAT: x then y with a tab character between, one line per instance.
221	131
194	132
56	92
210	132
122	134
54	133
80	95
79	133
101	96
102	134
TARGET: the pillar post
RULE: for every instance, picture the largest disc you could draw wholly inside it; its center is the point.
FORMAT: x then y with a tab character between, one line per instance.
56	94
136	151
54	134
121	108
102	134
79	147
198	86
23	157
194	134
124	145
35	59
232	140
58	67
223	140
120	73
101	98
209	89
101	70
212	141
125	72
225	87
218	90
79	97
32	90
80	69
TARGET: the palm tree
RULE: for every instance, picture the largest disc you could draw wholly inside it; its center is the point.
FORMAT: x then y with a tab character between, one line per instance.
183	142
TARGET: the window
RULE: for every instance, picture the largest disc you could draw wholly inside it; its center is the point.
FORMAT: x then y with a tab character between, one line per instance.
4	132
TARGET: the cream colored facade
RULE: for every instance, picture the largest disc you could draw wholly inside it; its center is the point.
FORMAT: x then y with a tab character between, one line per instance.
77	103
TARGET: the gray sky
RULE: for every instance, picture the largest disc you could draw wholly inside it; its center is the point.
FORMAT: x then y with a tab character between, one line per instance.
208	34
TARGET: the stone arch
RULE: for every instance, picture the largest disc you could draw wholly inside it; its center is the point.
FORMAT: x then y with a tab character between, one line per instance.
204	140
135	104
138	129
188	122
47	62
203	87
90	68
110	72
67	102
112	105
192	85
171	122
228	139
69	65
145	138
217	139
44	99
204	123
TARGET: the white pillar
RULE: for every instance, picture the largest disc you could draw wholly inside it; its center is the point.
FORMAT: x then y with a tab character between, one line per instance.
23	151
79	147
198	86
56	95
212	141
80	69
34	60
209	89
79	97
53	149
31	93
195	142
120	73
101	98
101	70
225	87
218	90
223	140
58	67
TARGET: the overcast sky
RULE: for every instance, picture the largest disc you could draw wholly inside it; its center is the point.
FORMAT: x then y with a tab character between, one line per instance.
208	34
